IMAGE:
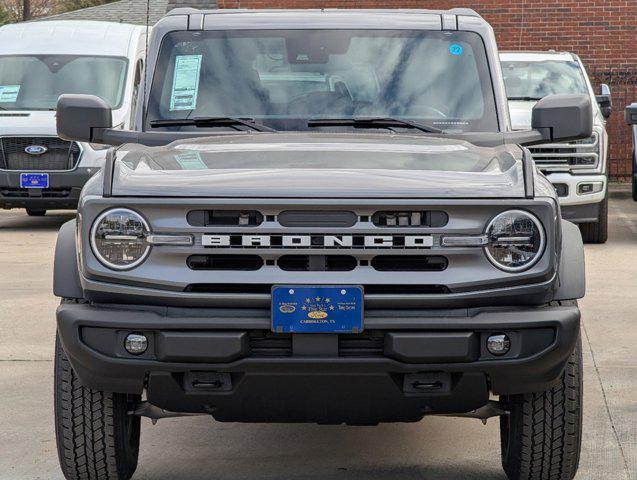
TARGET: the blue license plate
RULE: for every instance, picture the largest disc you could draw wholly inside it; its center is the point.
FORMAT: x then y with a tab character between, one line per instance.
308	309
34	180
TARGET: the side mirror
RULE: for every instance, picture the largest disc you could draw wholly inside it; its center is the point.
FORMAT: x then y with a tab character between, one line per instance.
78	115
561	118
631	114
605	101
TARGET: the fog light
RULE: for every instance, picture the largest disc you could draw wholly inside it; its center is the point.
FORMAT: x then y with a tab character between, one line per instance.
589	188
498	344
136	343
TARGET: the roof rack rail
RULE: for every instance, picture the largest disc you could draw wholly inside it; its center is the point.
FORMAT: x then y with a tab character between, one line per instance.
468	12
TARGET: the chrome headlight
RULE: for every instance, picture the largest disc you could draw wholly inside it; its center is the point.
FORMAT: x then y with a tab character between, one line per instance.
515	240
118	239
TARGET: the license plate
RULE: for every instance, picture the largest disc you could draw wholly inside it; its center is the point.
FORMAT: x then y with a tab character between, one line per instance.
34	180
309	309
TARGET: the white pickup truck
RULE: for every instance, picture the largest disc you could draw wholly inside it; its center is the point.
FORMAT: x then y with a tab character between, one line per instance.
578	170
39	61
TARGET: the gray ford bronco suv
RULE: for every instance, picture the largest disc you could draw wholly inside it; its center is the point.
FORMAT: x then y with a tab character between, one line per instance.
321	216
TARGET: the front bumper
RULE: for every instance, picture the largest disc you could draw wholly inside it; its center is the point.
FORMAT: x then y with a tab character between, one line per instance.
63	192
579	208
227	363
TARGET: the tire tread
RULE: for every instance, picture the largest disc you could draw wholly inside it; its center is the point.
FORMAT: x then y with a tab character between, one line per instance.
541	440
86	428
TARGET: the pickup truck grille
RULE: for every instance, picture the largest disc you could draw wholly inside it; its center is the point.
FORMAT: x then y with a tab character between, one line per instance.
58	154
567	157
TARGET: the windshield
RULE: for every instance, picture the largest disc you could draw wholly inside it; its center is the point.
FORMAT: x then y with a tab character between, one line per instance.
282	79
35	82
536	80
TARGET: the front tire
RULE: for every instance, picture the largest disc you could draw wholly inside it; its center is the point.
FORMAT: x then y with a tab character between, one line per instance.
96	437
541	438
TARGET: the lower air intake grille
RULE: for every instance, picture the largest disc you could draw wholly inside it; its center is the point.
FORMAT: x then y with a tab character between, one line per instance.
57	154
363	345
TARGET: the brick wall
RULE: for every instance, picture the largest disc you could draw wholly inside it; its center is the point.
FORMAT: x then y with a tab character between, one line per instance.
602	32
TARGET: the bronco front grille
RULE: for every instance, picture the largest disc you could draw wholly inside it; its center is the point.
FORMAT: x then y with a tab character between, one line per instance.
567	157
57	154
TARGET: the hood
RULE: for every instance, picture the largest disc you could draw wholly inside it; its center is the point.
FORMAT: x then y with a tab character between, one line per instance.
319	165
27	123
34	123
521	114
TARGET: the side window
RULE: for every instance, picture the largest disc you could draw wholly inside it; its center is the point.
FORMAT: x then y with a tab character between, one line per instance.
139	72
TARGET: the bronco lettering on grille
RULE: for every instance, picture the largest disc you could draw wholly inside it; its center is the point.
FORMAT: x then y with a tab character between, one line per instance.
317	241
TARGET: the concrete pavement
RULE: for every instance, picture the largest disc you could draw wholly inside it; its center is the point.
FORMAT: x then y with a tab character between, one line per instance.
198	448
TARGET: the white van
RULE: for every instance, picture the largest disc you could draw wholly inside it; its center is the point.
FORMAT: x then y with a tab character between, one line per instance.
39	61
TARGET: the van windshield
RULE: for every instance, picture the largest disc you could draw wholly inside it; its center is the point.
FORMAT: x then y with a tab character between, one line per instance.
285	78
34	82
535	80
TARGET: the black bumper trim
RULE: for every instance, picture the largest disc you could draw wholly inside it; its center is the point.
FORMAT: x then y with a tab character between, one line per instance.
506	375
585	213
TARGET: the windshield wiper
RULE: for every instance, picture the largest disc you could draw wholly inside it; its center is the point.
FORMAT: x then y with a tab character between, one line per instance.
525	99
202	122
371	122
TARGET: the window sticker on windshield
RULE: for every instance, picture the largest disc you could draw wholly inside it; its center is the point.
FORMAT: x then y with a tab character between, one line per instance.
455	49
190	161
185	82
9	93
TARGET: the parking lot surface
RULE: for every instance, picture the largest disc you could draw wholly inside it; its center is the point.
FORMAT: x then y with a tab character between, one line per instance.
437	448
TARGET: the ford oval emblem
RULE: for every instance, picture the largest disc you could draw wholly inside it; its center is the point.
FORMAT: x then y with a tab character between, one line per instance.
36	149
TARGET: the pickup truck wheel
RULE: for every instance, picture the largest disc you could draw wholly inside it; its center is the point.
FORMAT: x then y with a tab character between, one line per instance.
96	437
597	232
36	213
542	435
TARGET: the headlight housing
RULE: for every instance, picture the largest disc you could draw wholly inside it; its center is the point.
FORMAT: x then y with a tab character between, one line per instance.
515	240
118	239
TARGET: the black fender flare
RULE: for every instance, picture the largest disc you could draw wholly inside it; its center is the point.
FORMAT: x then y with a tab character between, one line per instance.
572	272
66	275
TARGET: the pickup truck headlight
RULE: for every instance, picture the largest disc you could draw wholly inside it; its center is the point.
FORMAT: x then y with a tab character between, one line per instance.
118	239
515	240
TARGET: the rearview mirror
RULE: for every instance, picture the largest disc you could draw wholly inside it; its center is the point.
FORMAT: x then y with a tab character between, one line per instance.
561	118
605	101
78	115
631	114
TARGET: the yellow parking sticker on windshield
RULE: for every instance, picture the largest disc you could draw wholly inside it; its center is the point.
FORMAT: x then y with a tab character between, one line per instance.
9	93
185	82
190	161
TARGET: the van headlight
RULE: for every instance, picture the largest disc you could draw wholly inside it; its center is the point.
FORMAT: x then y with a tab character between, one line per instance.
118	239
515	240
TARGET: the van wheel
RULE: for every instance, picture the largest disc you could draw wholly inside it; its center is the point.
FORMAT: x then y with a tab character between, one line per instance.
36	213
542	435
597	232
96	437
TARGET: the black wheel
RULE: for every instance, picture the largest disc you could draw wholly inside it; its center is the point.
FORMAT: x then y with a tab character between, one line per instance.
96	437
597	232
542	435
36	213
